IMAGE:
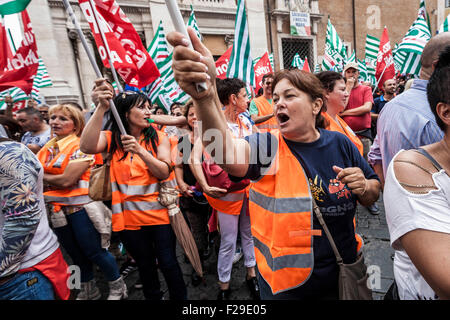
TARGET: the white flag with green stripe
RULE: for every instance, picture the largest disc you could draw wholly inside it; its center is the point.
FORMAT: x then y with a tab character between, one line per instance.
12	6
399	58
192	22
352	58
362	70
158	48
16	94
445	25
372	47
371	66
271	62
412	46
241	63
335	54
297	62
41	80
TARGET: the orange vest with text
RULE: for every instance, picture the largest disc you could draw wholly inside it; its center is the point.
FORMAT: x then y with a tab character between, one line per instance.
282	221
265	108
135	191
78	193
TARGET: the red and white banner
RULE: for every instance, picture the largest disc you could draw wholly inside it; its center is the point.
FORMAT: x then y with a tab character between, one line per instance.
222	64
22	67
262	67
128	54
385	61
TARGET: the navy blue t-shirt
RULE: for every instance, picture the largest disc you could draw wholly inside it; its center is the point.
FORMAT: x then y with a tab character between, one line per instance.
336	201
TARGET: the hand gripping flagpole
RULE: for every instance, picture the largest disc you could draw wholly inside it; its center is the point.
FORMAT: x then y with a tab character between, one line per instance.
105	43
93	62
178	23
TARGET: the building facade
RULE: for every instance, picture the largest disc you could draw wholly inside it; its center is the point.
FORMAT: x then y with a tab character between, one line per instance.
269	29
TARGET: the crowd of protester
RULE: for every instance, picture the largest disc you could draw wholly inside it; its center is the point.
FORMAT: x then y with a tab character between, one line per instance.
326	136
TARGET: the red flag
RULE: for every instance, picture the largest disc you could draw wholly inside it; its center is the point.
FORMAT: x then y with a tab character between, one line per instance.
128	54
5	52
222	64
262	67
22	67
306	65
385	62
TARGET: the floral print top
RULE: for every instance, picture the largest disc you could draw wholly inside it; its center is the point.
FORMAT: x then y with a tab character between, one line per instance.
19	204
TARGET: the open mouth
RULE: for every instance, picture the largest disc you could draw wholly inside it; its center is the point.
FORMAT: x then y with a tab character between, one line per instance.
282	118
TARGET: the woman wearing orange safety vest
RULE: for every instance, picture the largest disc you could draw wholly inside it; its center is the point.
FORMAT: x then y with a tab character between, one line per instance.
66	176
232	207
288	167
140	161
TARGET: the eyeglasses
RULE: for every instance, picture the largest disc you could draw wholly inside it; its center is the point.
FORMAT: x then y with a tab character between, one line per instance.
129	93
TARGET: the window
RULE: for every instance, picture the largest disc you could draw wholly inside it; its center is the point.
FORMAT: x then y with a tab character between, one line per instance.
292	46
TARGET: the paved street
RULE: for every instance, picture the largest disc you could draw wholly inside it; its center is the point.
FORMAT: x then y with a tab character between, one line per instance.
377	257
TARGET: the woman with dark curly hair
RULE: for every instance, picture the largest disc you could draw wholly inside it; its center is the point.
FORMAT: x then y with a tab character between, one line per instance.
140	160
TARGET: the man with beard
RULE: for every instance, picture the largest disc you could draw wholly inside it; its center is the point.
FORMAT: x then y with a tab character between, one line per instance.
389	88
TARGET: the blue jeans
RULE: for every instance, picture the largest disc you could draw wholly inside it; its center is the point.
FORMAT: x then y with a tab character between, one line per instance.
83	244
27	286
145	246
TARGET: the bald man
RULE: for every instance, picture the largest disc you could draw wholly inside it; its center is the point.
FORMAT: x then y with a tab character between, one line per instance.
406	122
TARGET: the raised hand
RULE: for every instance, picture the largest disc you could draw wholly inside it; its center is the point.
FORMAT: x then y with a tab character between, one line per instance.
192	66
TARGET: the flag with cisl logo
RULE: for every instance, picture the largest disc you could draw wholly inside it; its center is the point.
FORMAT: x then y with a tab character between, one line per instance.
262	67
128	54
21	69
385	60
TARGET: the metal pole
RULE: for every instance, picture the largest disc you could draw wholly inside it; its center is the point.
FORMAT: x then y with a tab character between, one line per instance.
178	23
105	43
93	62
378	81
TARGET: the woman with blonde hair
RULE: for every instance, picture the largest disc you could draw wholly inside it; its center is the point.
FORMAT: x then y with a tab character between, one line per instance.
66	179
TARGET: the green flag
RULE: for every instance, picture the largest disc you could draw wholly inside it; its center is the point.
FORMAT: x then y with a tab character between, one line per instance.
362	70
158	48
12	6
335	54
297	62
372	47
445	25
41	80
241	63
352	58
192	22
413	44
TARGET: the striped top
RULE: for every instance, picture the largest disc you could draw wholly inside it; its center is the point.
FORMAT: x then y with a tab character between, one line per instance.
406	122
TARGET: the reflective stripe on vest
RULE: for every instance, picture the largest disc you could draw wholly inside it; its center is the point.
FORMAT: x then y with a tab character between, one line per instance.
73	195
136	206
135	191
282	222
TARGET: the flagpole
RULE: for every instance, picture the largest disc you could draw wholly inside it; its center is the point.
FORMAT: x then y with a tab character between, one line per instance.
93	62
378	81
178	23
105	43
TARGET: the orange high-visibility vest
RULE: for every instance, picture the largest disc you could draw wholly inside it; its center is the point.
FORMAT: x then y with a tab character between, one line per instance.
282	222
78	193
344	129
265	108
231	203
135	191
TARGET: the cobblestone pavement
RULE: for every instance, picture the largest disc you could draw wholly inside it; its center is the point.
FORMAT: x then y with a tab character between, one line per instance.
373	229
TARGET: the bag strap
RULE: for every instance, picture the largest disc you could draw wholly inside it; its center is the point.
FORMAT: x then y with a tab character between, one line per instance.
433	161
327	232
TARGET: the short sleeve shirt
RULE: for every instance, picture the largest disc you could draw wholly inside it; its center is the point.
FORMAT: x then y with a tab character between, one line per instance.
38	139
359	96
